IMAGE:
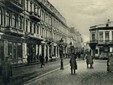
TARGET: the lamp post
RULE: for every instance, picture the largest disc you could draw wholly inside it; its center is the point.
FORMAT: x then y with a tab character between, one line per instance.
61	48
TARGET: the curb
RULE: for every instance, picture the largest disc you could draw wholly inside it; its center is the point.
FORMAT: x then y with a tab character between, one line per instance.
47	73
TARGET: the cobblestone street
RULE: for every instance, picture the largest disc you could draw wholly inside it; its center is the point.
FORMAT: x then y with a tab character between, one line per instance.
96	76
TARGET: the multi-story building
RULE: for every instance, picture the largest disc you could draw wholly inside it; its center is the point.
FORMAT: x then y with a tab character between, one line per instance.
76	39
101	39
29	28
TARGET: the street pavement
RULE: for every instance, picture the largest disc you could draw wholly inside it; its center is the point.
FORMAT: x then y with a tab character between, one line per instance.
96	76
24	73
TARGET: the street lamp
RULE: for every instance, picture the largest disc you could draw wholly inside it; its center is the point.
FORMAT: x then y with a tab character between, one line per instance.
61	46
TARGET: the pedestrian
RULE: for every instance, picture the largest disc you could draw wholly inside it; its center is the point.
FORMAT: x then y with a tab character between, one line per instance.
73	62
89	60
28	58
46	59
110	62
6	71
41	61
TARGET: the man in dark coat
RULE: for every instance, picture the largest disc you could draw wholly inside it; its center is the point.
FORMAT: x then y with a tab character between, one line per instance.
6	71
41	60
110	62
89	60
73	63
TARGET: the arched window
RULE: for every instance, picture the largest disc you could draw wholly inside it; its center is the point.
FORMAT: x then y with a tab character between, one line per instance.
13	20
7	18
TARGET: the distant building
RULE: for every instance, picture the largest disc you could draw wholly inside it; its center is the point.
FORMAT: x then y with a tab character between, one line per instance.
76	38
101	39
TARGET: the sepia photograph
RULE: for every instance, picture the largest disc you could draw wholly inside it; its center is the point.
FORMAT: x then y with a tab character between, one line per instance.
56	42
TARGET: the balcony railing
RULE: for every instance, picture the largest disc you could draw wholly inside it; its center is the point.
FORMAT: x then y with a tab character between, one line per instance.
12	30
14	5
102	42
105	41
33	35
34	16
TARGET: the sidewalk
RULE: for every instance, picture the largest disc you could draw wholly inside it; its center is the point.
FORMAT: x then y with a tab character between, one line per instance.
22	74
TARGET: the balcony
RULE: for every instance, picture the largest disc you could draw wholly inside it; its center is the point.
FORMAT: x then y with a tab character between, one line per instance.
33	36
49	40
14	5
108	42
37	36
34	16
12	31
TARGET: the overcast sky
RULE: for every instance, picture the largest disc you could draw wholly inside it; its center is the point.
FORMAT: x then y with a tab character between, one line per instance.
84	13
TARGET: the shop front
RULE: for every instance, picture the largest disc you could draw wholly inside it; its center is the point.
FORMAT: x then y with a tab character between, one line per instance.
11	46
33	49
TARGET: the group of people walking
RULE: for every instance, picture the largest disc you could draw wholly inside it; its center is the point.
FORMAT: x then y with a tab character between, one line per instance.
73	57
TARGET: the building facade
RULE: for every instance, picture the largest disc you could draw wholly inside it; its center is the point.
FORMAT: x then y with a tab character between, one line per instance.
30	28
101	39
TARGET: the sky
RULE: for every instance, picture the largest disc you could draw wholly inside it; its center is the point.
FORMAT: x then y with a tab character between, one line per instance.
82	14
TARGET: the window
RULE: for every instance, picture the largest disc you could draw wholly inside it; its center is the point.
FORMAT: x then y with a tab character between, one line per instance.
1	50
30	27
19	50
10	49
34	28
3	17
31	6
101	36
112	35
26	25
107	35
35	9
96	51
37	29
39	11
19	23
0	16
13	20
26	6
93	37
7	18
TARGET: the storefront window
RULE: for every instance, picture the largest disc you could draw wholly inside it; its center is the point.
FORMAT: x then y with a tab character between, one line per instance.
15	51
19	50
